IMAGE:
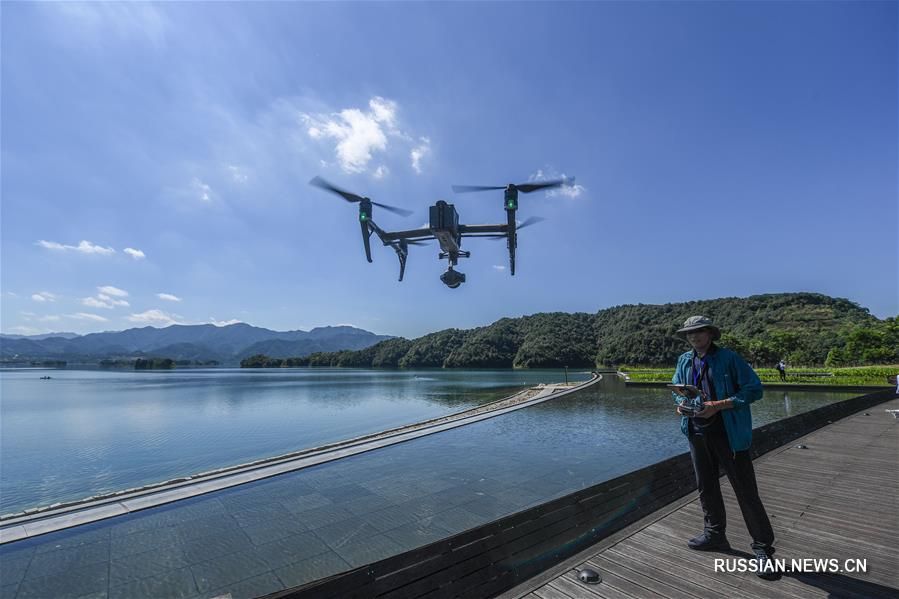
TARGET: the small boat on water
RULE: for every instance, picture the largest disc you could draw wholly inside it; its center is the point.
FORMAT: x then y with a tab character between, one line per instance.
46	378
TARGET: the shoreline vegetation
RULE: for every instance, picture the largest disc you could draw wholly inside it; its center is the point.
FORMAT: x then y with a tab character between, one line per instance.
859	376
824	334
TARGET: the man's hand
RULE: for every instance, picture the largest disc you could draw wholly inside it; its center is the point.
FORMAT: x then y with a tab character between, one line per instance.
686	391
708	411
684	412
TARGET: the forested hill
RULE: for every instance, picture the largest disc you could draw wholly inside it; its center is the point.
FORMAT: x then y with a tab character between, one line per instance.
804	328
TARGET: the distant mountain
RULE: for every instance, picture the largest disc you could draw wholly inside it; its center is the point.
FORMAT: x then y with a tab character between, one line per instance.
282	348
41	336
226	344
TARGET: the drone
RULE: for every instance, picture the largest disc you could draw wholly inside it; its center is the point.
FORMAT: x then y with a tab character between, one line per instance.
444	225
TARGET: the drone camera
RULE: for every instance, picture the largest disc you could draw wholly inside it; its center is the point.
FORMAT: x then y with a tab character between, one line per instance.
452	278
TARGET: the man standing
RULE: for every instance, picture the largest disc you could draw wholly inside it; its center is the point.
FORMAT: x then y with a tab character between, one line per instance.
782	369
720	435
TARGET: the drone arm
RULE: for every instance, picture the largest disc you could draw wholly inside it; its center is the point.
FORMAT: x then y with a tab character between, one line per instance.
473	230
512	241
402	258
379	232
416	234
402	252
366	234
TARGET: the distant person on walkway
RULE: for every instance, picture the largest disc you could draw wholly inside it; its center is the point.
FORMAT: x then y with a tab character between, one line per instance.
782	369
721	435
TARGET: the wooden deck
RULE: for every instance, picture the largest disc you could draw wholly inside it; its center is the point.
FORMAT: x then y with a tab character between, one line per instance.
838	498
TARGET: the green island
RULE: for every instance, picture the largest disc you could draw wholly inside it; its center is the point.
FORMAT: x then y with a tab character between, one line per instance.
153	363
816	334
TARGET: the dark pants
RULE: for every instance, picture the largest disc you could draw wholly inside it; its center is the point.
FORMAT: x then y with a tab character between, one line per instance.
710	449
783	375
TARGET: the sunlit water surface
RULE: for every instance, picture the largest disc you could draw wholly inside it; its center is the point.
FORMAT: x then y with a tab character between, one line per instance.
85	432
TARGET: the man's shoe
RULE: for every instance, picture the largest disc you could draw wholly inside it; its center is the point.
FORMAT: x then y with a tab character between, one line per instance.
709	542
767	569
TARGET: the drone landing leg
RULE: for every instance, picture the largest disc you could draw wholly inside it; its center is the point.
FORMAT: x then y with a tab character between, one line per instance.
366	234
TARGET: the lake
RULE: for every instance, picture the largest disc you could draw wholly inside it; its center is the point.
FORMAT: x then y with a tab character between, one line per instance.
85	432
286	530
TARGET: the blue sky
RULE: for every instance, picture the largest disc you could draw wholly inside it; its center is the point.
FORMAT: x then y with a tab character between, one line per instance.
155	157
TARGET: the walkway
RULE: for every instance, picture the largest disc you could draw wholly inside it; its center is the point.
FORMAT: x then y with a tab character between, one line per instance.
836	497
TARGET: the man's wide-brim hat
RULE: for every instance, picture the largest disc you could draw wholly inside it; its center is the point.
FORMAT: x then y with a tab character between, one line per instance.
696	323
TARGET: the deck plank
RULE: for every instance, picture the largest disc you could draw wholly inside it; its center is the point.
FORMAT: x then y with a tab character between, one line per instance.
835	499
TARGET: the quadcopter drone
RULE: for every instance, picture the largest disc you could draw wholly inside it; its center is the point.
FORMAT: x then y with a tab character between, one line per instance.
444	225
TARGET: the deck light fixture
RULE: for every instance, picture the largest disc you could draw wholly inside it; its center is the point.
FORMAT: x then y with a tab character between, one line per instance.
589	576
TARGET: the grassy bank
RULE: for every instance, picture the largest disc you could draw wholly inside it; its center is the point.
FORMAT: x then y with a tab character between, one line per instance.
856	376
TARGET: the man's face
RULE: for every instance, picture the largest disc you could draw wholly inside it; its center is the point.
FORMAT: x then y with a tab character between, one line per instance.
700	340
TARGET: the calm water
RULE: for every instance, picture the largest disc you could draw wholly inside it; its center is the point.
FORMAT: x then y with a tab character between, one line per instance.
286	530
91	431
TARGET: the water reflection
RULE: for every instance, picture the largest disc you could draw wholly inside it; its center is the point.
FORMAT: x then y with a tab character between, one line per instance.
90	431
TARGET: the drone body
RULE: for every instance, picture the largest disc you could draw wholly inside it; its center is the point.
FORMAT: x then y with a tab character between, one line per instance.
443	226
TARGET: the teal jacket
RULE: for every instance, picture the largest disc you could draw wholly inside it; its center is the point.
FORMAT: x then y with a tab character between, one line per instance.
734	379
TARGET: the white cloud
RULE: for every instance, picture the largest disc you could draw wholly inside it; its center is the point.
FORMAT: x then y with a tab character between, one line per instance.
168	297
499	267
103	301
85	247
135	253
358	133
381	172
418	152
11	294
108	298
92	302
155	316
238	174
50	318
87	316
223	323
202	191
569	191
43	296
110	290
25	330
569	188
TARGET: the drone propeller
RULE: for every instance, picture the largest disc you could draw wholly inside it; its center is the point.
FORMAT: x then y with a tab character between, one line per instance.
530	221
527	223
529	187
417	242
523	188
352	197
471	188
